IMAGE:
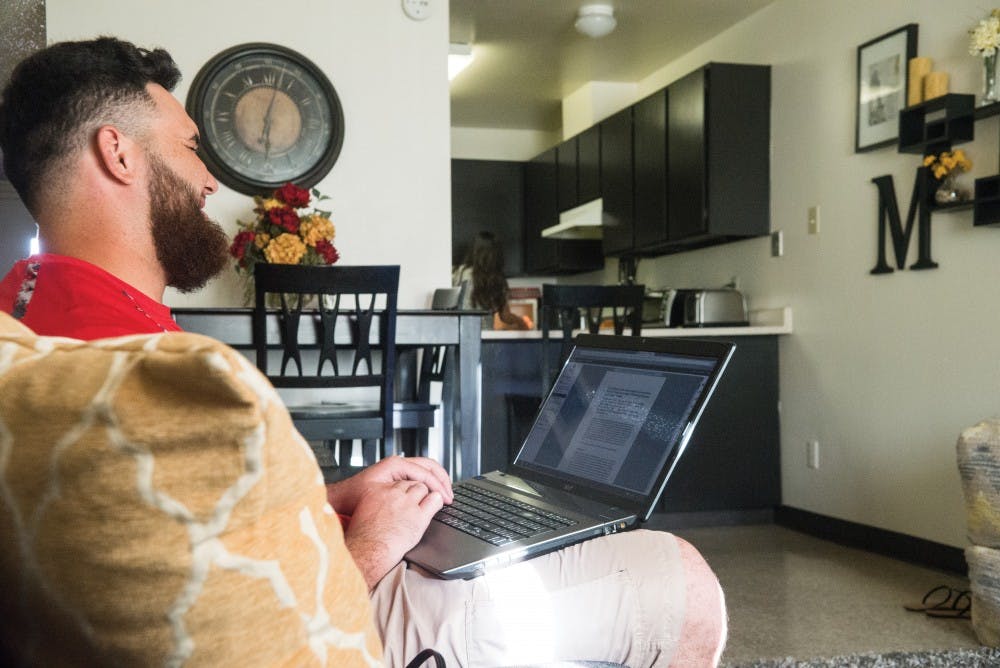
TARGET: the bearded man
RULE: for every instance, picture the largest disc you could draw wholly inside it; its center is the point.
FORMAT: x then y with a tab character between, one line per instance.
110	174
105	158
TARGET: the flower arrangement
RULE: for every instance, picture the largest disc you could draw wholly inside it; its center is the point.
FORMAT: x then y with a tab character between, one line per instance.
285	232
947	163
985	37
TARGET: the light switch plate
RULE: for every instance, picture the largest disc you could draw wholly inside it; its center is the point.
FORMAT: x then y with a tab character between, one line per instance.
814	219
418	10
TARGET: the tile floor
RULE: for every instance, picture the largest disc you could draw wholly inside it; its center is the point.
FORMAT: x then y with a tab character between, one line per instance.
792	595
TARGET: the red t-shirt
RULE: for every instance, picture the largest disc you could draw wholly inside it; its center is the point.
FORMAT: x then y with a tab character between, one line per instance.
55	295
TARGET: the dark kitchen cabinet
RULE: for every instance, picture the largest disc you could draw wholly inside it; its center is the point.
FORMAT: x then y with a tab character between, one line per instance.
650	117
732	461
588	165
718	166
617	182
579	169
568	192
541	210
701	157
488	195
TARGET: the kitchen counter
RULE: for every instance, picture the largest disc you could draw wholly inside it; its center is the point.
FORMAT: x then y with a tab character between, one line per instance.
762	322
731	466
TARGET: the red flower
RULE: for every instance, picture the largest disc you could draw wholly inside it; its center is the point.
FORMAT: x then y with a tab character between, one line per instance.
285	218
292	195
327	251
240	244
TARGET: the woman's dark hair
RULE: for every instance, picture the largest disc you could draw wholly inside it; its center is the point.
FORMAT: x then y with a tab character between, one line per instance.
489	286
58	96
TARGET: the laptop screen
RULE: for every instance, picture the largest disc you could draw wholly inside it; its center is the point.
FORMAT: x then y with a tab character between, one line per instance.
616	419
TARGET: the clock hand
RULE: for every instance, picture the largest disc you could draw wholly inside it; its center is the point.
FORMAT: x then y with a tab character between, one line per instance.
265	135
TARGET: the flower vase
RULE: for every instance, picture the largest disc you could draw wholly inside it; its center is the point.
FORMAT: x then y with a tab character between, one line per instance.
990	92
948	192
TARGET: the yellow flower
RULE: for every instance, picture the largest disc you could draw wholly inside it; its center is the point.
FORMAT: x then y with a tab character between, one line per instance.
261	239
285	249
270	203
316	228
947	162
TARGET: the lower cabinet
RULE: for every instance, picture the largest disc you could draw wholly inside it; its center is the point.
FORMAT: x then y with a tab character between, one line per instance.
732	461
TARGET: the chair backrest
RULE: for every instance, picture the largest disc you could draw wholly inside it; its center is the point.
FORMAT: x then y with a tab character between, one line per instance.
447	299
354	313
567	305
435	358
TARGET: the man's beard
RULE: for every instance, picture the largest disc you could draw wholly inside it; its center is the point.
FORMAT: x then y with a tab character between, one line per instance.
190	247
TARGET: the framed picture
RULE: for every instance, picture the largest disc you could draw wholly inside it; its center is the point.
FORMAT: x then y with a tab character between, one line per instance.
882	77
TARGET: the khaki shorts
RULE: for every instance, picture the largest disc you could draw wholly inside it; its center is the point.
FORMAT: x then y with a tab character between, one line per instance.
641	598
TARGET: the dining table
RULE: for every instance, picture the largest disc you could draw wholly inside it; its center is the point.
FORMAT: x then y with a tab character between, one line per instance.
460	330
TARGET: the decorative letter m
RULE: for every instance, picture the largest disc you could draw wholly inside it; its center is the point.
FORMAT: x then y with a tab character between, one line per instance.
888	216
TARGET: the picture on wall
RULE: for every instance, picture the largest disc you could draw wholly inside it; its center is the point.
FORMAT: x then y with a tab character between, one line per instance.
882	77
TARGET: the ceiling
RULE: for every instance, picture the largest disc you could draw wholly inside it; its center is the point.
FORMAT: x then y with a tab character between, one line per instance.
528	55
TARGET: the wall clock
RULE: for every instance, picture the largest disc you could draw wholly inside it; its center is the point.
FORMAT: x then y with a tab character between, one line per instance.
267	116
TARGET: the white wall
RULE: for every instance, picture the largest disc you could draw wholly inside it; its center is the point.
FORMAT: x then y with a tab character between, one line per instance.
884	371
390	187
499	144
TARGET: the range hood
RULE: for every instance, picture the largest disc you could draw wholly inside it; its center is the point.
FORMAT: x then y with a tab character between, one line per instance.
583	222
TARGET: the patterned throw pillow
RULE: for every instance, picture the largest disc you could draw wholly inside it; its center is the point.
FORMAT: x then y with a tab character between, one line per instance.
158	508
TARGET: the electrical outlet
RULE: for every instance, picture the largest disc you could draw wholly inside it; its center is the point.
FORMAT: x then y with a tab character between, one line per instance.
812	454
777	243
814	219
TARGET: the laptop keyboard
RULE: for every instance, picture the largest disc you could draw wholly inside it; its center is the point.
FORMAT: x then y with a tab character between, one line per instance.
495	518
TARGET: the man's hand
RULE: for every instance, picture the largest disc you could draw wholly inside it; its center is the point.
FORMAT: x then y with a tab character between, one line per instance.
389	519
345	495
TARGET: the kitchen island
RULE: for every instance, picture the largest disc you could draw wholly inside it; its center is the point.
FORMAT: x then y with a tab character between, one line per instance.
731	468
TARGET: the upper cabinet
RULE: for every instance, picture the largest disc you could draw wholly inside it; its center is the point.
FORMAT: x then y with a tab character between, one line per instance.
616	178
551	185
685	167
727	154
702	160
588	165
651	183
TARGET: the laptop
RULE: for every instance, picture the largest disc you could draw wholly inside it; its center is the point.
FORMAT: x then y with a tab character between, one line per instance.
595	461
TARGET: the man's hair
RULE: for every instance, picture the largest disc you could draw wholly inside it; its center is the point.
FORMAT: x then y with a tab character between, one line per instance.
59	96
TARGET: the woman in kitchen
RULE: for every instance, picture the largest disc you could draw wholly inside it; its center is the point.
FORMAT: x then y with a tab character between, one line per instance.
485	286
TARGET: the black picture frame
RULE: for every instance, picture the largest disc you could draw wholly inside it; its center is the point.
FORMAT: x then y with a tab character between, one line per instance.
883	69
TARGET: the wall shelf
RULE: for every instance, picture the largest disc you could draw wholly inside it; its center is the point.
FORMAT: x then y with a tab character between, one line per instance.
986	210
951	208
935	125
987	111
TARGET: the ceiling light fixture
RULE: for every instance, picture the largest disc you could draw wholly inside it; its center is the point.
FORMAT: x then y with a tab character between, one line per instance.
596	20
459	57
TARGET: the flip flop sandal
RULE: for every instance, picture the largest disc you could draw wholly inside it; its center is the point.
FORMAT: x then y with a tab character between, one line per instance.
961	608
939	598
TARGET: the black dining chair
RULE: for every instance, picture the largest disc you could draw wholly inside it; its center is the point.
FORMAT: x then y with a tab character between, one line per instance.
414	409
586	307
567	308
345	341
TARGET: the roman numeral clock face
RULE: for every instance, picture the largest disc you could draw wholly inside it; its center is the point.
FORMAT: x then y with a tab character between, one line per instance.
267	116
